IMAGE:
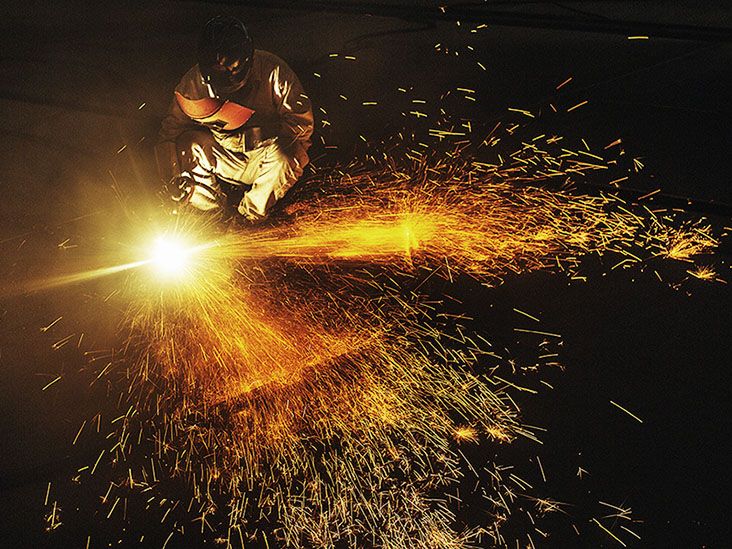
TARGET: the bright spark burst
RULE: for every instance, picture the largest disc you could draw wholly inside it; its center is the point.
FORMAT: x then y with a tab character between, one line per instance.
685	244
170	256
293	383
299	383
290	378
704	272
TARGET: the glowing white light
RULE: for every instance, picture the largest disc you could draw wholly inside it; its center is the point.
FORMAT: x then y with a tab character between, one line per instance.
170	256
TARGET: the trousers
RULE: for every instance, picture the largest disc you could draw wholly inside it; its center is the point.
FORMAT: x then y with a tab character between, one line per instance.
267	172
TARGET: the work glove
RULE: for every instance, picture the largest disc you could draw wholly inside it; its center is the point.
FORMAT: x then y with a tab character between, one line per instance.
180	188
185	190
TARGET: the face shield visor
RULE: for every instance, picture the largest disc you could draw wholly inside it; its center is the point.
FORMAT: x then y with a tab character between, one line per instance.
216	113
227	76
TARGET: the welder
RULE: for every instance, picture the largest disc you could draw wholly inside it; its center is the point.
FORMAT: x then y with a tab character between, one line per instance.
239	125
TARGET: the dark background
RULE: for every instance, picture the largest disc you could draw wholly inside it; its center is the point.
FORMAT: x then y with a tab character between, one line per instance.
74	76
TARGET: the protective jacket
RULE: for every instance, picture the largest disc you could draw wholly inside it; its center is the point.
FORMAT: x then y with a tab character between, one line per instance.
271	106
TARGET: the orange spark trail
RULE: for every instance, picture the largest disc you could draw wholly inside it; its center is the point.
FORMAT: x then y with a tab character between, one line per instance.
291	376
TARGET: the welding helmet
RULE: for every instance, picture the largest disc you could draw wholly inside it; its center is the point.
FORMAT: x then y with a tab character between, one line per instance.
225	55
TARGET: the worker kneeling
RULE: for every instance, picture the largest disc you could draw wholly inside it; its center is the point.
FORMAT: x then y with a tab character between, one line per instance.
239	120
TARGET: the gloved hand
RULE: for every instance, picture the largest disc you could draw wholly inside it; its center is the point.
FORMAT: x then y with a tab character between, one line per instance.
180	188
186	190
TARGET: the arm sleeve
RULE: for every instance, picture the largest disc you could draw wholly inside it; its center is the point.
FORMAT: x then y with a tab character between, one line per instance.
295	112
166	154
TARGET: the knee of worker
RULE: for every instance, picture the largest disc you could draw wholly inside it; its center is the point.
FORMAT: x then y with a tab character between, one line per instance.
195	151
278	171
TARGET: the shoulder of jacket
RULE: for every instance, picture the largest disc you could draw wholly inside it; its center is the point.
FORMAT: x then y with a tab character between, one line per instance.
268	57
267	61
